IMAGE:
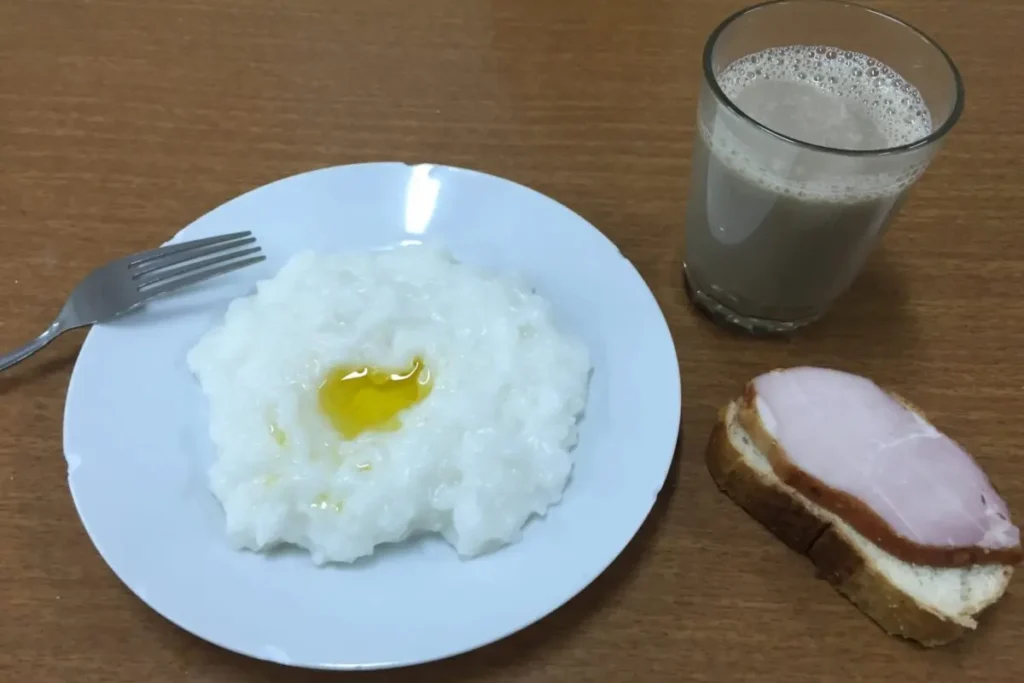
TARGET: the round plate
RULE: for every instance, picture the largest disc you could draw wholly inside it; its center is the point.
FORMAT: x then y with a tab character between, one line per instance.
135	432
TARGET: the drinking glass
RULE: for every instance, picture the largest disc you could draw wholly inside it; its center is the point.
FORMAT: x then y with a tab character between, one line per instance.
815	118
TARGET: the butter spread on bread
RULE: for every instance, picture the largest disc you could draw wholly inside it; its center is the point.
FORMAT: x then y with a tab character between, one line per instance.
895	514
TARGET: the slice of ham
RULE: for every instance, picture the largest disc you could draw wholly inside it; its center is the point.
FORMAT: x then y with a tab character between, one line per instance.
874	461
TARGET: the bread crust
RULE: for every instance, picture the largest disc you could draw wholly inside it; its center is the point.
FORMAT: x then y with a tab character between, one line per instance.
775	509
897	613
855	512
833	553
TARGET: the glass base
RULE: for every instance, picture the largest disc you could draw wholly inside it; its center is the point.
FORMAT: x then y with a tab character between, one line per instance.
725	317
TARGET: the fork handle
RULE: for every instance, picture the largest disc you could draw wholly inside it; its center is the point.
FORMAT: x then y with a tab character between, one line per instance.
14	357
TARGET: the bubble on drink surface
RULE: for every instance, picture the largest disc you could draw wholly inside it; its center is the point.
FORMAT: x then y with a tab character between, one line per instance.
861	87
858	78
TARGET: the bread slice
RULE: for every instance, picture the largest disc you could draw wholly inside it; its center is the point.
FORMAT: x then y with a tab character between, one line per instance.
932	606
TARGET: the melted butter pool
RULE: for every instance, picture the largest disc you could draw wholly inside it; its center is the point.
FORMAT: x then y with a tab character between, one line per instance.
358	398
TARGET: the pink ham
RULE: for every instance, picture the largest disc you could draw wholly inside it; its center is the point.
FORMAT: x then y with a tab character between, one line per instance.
847	433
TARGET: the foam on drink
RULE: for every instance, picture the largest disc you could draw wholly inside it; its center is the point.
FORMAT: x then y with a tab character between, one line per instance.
825	96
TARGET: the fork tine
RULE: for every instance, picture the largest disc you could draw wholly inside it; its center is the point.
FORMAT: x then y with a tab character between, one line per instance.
143	256
195	278
174	258
192	266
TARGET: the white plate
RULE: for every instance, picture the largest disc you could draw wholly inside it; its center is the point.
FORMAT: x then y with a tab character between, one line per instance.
135	433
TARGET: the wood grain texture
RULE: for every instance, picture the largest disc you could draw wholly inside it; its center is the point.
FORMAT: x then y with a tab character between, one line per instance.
123	120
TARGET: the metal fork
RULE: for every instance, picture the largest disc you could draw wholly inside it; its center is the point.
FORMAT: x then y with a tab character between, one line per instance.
127	283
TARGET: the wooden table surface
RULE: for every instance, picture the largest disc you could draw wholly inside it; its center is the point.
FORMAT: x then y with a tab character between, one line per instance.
123	120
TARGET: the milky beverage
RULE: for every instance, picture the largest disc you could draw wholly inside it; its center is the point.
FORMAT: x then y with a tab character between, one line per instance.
776	231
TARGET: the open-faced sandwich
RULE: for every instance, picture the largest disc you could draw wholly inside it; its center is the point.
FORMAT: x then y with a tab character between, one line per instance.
895	515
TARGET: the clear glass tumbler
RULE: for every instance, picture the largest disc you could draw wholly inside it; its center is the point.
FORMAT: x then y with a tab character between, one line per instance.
815	118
